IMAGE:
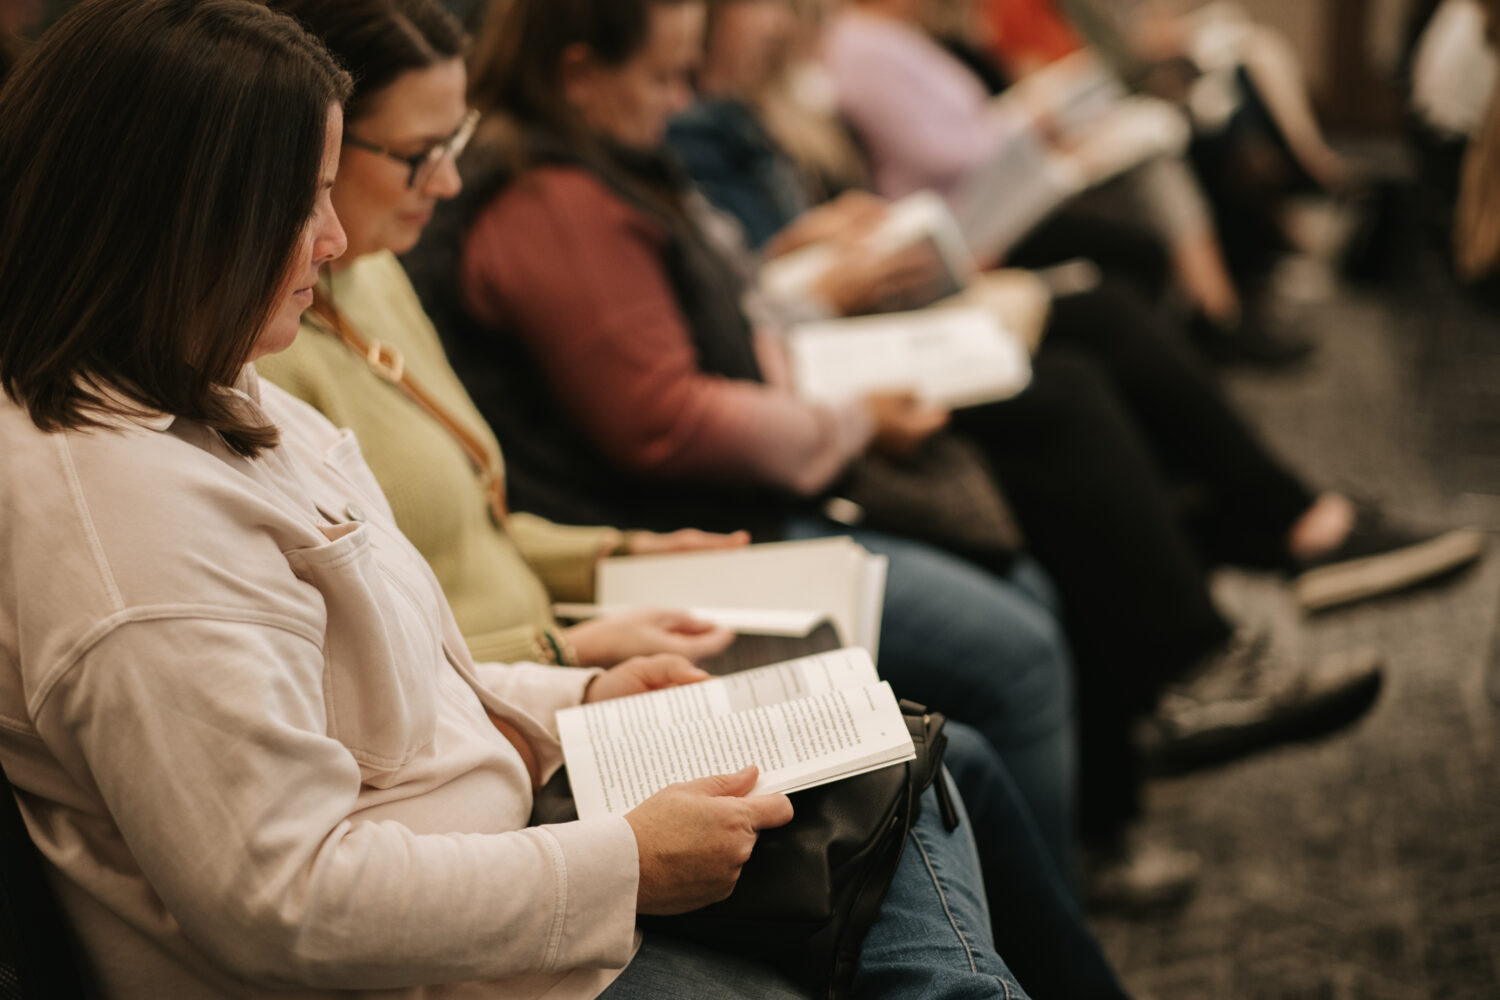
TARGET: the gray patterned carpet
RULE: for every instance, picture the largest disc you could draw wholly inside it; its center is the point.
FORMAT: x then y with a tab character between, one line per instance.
1367	866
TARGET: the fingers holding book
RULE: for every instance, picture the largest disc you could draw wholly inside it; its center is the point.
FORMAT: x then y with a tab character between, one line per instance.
694	837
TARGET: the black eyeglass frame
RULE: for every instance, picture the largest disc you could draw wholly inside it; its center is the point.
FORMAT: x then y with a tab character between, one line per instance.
430	157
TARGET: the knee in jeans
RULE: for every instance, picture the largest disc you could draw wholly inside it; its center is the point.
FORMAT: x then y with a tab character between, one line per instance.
1034	683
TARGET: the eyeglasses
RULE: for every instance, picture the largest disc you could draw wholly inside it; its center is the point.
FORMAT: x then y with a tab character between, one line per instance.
424	164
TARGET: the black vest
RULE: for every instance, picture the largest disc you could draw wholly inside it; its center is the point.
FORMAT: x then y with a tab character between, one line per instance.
552	468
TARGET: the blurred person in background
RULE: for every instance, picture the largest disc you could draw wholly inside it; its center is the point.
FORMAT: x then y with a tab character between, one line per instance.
520	290
202	578
1111	403
1256	136
926	120
604	340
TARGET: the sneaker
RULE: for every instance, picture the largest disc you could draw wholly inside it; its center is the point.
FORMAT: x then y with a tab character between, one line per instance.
1133	875
1249	342
1235	705
1378	558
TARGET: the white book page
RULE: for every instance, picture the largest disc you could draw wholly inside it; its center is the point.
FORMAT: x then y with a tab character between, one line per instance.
796	744
757	688
872	603
794	276
749	621
925	216
1003	198
949	357
822	575
921	216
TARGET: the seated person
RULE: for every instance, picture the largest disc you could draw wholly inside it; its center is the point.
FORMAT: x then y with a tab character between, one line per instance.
926	121
240	720
642	418
501	570
409	97
539	270
1225	53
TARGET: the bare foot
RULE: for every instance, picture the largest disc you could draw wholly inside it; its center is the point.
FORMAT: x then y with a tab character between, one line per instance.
1322	527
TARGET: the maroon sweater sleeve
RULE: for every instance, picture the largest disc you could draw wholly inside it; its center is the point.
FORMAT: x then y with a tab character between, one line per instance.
576	273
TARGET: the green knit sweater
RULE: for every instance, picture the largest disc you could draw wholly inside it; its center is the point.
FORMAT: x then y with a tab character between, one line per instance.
501	581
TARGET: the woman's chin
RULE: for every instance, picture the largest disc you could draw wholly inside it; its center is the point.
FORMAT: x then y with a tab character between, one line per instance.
277	336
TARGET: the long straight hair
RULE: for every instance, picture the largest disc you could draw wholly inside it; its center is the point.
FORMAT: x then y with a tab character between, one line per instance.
161	161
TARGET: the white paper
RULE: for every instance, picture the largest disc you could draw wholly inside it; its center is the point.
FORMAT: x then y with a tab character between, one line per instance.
831	576
793	277
949	357
770	685
802	723
791	623
1003	198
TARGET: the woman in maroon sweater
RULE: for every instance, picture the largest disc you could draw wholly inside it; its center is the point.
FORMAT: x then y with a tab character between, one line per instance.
614	361
612	356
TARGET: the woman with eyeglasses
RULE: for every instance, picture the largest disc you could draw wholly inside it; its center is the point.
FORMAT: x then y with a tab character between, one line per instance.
433	454
428	446
240	722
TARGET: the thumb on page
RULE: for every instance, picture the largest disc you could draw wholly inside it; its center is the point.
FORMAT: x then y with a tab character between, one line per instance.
737	784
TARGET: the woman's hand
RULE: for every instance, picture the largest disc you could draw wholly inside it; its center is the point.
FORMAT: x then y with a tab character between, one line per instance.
903	422
848	218
693	838
640	674
864	281
603	642
650	543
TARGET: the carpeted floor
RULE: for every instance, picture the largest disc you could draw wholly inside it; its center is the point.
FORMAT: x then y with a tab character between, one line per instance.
1367	866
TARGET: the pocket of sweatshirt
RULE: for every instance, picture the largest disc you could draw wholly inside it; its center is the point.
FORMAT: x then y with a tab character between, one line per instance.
379	653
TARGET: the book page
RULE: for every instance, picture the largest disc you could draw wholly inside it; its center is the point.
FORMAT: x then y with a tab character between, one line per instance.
925	216
949	357
821	575
918	218
872	602
749	621
1003	198
796	744
757	688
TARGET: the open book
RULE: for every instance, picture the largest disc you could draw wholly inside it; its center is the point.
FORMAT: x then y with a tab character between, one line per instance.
803	723
920	219
780	588
953	357
1095	131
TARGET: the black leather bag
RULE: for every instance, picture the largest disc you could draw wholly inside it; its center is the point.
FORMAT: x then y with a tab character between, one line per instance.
813	888
945	494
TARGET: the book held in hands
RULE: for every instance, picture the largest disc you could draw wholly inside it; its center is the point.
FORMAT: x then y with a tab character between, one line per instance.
804	723
779	588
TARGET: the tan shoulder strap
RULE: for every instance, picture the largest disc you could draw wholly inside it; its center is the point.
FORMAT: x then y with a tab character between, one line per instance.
388	362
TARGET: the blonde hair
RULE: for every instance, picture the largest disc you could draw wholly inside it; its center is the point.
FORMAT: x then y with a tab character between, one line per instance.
810	134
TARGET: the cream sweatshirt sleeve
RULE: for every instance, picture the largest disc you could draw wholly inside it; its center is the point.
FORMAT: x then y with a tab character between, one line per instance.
204	733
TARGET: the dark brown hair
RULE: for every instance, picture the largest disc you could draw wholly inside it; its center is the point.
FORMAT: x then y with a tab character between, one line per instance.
161	160
378	40
517	60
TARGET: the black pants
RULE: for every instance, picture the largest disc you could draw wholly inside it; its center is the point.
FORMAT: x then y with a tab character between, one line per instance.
1119	411
1123	252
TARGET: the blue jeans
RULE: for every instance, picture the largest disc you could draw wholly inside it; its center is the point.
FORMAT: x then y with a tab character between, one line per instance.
932	939
984	650
1038	925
